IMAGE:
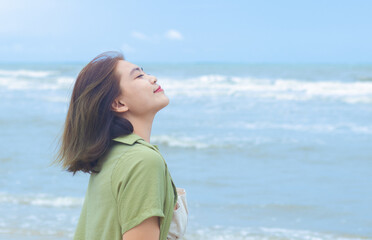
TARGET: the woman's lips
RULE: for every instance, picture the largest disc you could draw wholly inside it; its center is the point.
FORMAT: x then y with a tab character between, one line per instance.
158	90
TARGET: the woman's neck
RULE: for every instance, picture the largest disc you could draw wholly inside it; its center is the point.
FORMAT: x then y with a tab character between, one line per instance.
141	125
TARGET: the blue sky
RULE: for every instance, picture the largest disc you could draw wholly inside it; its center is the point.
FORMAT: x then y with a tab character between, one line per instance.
187	31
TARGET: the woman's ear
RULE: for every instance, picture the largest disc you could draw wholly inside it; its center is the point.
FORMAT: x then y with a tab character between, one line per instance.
119	106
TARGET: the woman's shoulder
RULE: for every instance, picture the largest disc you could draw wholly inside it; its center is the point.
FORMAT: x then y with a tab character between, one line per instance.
142	154
138	157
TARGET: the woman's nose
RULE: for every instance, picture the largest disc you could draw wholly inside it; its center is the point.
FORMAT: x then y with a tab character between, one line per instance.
153	79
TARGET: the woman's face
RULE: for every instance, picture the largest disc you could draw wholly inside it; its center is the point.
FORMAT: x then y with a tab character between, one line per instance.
138	94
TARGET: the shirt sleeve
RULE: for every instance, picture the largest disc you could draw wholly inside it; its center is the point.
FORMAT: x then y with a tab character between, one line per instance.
138	184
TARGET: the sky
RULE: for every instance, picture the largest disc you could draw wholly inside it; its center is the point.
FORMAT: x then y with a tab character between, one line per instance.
187	31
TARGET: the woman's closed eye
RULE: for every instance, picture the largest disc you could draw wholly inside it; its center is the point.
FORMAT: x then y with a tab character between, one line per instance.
140	76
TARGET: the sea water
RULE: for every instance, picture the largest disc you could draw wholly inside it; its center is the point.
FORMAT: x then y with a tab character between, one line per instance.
264	151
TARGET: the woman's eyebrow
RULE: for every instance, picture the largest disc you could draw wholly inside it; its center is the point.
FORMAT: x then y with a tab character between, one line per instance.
134	69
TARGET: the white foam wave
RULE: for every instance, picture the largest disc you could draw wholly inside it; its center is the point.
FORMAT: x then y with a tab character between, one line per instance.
26	84
41	200
310	128
280	89
235	233
25	73
27	231
205	142
185	142
219	86
207	233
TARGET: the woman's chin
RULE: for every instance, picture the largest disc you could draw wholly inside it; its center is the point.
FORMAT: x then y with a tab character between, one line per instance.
164	103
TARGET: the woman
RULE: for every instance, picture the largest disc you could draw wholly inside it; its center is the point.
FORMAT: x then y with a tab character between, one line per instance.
107	131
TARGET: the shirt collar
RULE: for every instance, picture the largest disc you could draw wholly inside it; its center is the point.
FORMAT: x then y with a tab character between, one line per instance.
131	138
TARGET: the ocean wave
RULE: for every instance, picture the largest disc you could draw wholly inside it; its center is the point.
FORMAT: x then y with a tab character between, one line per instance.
287	208
216	232
183	142
26	84
205	142
221	86
368	78
229	142
280	89
26	73
236	233
42	200
327	128
25	233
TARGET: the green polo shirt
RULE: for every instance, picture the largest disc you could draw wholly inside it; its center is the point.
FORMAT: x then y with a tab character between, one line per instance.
132	185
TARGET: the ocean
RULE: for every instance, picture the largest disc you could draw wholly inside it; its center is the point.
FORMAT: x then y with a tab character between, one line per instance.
264	151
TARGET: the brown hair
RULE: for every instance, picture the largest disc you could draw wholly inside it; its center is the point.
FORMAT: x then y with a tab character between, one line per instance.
90	123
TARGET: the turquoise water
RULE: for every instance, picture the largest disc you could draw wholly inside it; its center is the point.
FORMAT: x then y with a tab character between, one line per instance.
264	151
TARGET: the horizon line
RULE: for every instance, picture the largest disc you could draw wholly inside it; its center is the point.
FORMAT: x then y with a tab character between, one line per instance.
200	62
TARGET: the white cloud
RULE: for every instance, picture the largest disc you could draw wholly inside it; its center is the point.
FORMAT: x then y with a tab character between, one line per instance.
127	48
139	35
173	35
